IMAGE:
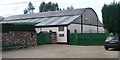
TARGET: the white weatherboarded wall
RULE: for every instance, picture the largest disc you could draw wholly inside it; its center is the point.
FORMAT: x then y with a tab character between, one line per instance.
86	28
72	27
101	30
89	29
89	23
89	17
55	29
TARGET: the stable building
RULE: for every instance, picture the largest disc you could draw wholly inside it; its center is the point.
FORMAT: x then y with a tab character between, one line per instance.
84	20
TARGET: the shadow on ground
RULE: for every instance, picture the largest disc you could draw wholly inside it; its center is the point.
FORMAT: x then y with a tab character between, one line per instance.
112	49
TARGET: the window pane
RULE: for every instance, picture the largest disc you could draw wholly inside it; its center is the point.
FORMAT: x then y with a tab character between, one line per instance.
61	35
61	28
112	38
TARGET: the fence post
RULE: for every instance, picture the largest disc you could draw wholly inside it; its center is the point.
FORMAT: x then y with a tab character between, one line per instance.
107	33
75	37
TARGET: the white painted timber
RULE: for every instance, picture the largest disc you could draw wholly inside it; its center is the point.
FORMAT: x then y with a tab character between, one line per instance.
55	29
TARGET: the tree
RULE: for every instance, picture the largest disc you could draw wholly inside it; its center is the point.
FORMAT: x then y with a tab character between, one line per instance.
29	9
111	17
25	11
69	8
48	7
56	5
1	18
41	7
63	8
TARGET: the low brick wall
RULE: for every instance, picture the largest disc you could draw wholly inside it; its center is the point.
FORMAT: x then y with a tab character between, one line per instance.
16	38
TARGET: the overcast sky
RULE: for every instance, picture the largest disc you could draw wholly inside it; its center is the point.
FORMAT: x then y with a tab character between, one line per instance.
7	8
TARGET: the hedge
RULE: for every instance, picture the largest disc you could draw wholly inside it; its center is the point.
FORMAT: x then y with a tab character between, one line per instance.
6	27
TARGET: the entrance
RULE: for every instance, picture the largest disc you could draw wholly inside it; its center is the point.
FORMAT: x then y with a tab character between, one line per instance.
53	37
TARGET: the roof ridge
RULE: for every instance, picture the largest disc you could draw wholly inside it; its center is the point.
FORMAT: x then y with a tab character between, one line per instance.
47	14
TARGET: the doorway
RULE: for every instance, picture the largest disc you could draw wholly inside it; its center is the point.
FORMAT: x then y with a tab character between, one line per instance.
53	37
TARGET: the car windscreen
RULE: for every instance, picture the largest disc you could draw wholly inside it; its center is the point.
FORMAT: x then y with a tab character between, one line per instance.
112	38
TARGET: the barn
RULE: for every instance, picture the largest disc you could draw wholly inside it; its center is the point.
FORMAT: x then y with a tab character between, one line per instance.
84	20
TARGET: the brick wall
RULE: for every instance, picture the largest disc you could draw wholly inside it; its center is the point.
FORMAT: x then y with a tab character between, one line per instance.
20	38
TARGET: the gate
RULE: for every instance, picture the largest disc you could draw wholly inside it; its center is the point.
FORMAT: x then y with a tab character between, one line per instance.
43	38
46	38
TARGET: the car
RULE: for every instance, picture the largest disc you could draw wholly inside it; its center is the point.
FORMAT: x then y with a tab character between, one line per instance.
112	42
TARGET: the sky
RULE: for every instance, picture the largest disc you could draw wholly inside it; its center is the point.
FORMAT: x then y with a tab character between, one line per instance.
16	7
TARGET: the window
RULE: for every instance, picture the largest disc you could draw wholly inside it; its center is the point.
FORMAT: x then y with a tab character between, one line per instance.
112	38
61	28
61	35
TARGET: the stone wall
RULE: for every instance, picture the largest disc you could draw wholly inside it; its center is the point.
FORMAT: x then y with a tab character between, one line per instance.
16	38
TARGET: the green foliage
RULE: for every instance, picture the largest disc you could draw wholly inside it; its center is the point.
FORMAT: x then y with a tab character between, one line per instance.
6	27
48	7
5	44
69	8
111	17
25	11
1	18
29	9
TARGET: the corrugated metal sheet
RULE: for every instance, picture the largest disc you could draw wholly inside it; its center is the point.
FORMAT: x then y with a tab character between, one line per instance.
50	18
25	21
65	20
48	14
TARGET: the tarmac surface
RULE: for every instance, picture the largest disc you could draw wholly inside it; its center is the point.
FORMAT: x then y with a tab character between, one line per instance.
61	51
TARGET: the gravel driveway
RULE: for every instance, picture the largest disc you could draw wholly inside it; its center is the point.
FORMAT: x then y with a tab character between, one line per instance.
61	51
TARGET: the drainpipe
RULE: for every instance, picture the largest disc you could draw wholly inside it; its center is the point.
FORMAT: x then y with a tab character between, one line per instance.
67	35
97	25
81	24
